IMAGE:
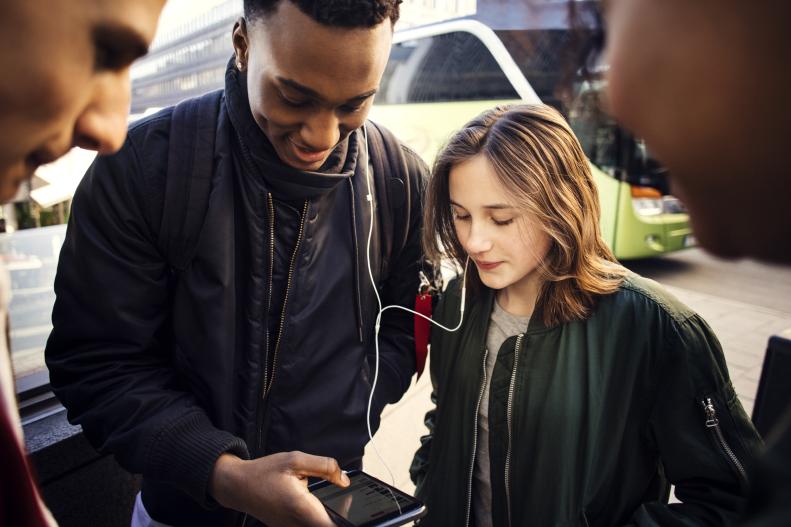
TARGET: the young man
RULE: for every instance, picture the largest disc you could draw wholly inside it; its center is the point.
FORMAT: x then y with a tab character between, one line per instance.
231	378
705	83
65	84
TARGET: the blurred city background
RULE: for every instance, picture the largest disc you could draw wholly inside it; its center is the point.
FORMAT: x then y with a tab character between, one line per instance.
451	59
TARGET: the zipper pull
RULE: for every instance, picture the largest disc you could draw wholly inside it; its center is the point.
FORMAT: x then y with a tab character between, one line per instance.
426	287
711	413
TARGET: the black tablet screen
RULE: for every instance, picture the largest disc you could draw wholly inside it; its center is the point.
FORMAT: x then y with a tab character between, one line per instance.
365	501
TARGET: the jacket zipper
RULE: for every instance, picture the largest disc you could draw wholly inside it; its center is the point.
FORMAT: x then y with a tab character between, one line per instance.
475	438
271	210
285	298
264	384
509	420
713	424
356	266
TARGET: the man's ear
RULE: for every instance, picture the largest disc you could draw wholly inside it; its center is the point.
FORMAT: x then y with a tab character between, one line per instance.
241	43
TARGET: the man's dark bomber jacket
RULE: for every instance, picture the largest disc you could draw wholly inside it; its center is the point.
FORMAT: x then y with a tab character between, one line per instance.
165	370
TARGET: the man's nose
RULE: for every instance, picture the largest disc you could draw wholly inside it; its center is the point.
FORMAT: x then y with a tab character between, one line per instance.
321	131
102	124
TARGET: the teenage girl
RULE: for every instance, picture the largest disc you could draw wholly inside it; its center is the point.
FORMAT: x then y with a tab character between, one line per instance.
575	392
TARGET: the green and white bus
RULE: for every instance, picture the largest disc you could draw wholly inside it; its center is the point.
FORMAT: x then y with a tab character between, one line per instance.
442	75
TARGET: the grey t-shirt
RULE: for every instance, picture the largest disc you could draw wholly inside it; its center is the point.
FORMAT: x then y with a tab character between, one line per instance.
501	326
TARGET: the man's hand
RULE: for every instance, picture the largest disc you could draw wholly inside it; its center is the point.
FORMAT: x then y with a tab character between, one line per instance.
274	489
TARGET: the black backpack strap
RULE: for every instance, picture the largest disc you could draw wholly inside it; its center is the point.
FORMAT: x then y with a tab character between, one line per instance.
387	157
188	184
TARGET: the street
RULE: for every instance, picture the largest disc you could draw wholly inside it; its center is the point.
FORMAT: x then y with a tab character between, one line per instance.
744	302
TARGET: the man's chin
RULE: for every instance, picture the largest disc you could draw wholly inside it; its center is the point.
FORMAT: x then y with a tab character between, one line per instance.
720	250
312	167
762	249
761	234
287	158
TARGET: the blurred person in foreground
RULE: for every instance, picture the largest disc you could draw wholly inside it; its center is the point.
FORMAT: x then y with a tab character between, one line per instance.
65	83
706	84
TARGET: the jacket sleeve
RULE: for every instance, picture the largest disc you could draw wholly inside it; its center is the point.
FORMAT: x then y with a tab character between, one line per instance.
419	467
109	355
705	440
396	335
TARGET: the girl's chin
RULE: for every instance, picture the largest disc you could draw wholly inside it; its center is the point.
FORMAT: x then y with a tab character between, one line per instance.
493	283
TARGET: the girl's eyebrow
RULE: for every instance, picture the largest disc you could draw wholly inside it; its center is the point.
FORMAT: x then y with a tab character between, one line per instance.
498	206
494	206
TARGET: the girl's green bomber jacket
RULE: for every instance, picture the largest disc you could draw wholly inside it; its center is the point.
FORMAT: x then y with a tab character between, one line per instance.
590	421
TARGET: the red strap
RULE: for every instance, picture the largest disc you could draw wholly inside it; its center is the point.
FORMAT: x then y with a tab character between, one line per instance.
19	504
422	331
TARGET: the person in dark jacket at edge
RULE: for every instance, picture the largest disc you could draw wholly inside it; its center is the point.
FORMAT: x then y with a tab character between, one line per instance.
65	83
705	84
229	382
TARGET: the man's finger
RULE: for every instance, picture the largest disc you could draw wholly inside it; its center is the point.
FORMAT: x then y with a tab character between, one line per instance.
319	467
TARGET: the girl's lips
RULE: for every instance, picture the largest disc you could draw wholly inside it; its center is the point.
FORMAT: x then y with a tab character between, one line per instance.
487	266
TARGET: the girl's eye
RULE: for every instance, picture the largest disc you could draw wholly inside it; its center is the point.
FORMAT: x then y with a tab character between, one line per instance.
460	217
503	222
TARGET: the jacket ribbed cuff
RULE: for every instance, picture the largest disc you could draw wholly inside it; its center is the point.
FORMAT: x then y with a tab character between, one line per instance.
184	453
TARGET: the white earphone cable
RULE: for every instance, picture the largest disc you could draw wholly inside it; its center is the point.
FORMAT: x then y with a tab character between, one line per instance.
381	309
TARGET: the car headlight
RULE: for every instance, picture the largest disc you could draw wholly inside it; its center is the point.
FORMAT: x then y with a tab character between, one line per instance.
648	201
647	206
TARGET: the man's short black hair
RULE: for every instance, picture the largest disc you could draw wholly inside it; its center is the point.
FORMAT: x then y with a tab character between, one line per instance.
339	13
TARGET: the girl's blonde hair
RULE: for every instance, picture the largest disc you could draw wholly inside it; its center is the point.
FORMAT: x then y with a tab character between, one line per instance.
537	158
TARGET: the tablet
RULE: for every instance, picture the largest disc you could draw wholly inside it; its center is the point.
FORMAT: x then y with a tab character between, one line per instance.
367	502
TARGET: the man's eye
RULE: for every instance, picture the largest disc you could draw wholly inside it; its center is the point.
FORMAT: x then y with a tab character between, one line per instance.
107	57
348	108
112	54
293	103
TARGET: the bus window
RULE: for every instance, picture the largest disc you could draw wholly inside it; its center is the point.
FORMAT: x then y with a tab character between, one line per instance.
454	66
597	133
611	148
538	53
